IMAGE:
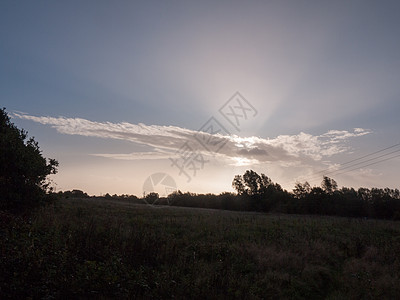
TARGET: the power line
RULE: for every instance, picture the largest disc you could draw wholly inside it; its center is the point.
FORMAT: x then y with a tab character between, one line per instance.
351	162
360	163
376	152
377	162
362	157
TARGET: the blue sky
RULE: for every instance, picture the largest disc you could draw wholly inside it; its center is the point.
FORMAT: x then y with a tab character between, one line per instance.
323	76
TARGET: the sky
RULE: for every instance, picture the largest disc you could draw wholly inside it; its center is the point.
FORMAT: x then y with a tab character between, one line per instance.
198	92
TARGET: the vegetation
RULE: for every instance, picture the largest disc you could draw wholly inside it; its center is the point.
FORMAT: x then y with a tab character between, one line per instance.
258	193
99	248
23	169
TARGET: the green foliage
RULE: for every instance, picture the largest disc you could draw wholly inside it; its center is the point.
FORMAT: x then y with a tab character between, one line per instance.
23	169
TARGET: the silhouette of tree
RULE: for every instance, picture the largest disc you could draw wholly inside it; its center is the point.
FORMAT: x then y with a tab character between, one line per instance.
23	169
238	184
329	185
301	191
251	183
152	198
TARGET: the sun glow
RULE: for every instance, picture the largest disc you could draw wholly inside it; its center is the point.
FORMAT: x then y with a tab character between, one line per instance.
242	161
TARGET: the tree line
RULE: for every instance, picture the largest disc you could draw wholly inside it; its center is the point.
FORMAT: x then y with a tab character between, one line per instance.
256	192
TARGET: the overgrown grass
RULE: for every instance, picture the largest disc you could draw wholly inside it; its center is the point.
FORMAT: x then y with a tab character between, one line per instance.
83	248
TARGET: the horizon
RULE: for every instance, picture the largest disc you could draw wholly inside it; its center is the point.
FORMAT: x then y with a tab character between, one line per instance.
201	92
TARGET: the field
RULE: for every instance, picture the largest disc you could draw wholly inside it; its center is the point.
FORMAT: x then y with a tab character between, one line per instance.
93	248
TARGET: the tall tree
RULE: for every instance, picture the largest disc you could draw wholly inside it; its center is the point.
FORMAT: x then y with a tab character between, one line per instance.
329	185
23	169
251	183
238	184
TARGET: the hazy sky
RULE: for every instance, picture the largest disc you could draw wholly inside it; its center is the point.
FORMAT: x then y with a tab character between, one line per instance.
115	90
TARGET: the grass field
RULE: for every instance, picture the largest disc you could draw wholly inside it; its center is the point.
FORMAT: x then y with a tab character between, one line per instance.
92	248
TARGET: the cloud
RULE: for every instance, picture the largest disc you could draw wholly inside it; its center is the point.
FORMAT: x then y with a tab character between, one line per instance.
172	141
253	151
136	155
317	147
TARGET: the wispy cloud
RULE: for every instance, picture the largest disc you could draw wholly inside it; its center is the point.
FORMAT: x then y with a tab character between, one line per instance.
167	140
137	155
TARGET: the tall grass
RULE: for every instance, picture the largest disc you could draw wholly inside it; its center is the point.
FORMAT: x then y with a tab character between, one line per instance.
108	249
